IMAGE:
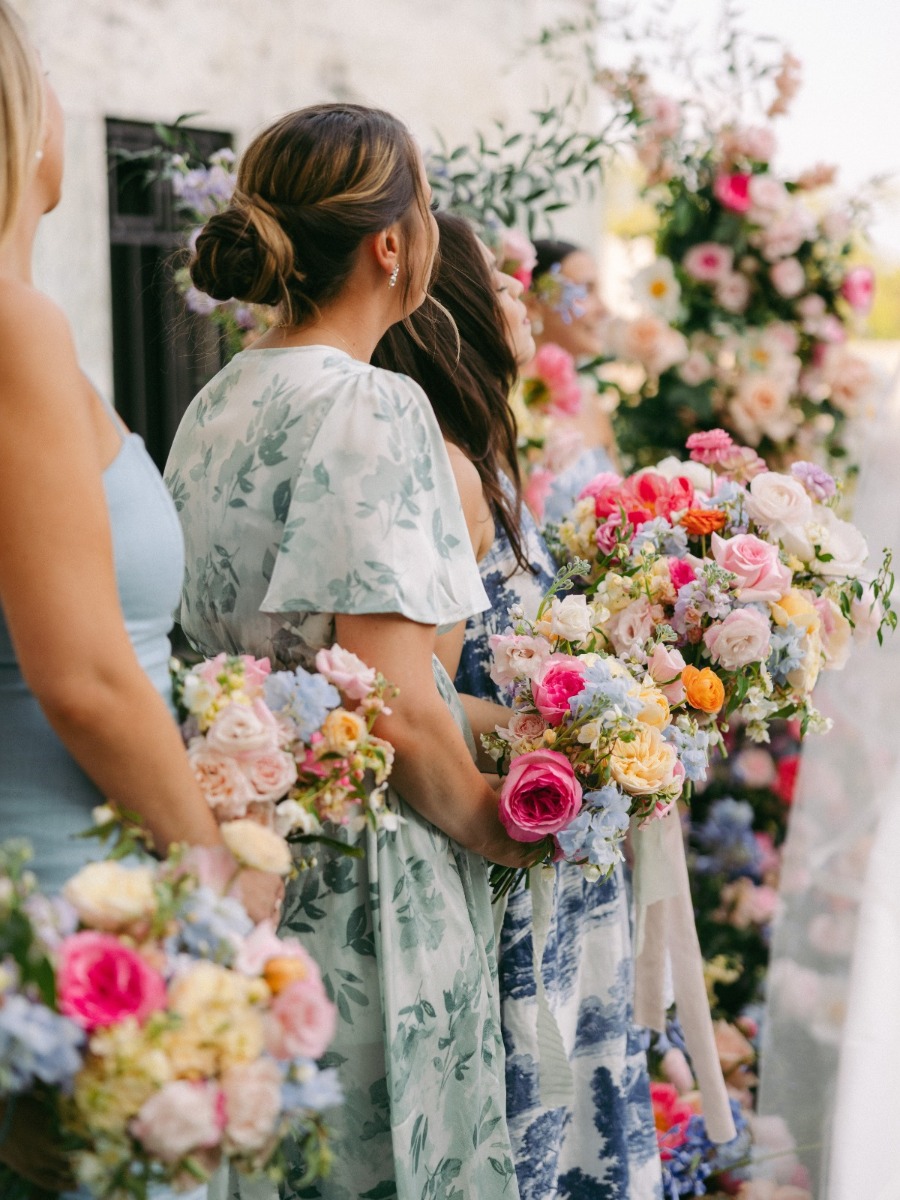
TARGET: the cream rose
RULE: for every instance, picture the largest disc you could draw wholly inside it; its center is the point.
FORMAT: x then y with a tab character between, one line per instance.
644	765
110	896
343	731
256	847
656	707
570	619
222	782
845	544
778	502
252	1104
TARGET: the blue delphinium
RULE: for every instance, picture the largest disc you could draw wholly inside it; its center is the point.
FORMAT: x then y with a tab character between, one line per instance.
787	652
693	750
304	697
36	1044
600	685
593	834
726	837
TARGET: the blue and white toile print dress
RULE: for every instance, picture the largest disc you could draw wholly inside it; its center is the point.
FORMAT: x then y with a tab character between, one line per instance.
310	484
602	1146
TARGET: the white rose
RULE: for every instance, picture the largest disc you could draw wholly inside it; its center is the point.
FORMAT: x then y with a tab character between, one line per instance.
570	619
778	502
845	544
110	896
182	1116
700	477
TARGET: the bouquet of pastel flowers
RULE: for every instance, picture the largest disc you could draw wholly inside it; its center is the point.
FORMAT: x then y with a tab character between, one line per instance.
165	1033
592	742
731	583
279	749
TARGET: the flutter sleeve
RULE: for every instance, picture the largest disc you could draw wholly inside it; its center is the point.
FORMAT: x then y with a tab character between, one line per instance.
374	523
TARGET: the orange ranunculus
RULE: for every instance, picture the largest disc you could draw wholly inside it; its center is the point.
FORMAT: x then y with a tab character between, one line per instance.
701	521
703	689
280	972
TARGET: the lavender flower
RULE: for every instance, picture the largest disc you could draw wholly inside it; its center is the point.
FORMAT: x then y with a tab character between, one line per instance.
818	483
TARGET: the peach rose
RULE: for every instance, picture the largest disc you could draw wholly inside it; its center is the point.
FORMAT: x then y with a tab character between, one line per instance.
644	765
222	782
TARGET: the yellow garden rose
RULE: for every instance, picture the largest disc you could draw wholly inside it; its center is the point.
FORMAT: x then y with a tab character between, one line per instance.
644	765
343	731
257	847
797	608
656	707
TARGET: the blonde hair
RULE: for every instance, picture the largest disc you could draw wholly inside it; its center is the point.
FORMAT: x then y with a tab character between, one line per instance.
21	114
309	189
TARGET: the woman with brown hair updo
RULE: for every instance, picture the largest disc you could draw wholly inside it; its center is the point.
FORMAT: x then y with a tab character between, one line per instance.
318	505
584	1128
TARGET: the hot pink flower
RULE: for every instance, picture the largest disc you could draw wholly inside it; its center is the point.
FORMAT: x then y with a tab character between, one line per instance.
559	679
681	572
539	796
733	191
100	981
709	262
302	1020
858	288
671	1115
755	563
713	446
556	368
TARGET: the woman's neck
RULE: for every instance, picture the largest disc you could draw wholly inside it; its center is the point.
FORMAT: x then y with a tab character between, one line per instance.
17	251
353	324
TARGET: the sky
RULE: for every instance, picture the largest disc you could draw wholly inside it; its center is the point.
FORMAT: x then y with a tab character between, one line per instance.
848	111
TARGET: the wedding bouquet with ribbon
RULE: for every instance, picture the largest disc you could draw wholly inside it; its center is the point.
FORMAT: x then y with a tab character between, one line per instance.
592	742
733	586
164	1032
282	751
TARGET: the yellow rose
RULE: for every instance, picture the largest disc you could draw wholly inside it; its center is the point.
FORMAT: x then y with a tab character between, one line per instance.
219	1024
796	607
343	731
123	1069
644	765
110	896
656	707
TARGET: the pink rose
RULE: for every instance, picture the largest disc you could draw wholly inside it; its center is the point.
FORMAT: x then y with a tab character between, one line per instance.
681	572
788	277
708	262
556	367
264	944
539	796
665	667
559	678
252	1094
222	782
733	191
712	447
271	774
858	288
733	292
524	727
742	638
759	573
516	656
301	1021
181	1117
241	730
608	534
100	981
346	672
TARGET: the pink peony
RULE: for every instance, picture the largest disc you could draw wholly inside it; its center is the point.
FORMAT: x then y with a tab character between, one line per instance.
252	1094
222	782
733	191
539	796
708	262
742	638
346	672
755	563
181	1117
665	667
559	678
788	277
713	446
301	1020
858	288
271	774
556	368
100	981
601	485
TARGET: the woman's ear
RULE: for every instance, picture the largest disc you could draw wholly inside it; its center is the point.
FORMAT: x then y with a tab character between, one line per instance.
386	248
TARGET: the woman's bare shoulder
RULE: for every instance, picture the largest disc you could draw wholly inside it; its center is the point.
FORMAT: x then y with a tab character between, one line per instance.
35	337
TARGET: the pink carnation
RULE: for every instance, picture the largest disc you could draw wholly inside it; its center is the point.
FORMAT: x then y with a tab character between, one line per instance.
100	981
681	572
711	447
540	795
733	191
559	679
709	262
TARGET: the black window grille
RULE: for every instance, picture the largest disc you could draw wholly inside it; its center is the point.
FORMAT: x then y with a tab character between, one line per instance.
162	353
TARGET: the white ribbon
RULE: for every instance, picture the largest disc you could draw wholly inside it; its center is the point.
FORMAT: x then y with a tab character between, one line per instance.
666	935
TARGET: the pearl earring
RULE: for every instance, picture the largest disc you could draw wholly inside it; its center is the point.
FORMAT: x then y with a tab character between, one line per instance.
392	282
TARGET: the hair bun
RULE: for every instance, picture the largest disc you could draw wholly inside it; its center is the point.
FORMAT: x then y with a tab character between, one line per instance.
244	253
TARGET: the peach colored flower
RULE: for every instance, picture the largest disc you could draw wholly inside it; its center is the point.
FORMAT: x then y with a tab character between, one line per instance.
703	689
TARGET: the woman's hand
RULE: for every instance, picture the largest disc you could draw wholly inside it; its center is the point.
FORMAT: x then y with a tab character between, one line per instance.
31	1148
261	893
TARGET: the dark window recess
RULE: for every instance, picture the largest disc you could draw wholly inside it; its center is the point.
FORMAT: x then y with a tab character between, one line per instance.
162	353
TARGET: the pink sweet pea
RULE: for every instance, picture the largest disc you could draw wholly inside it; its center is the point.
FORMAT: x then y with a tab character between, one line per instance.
100	981
755	563
560	678
540	795
733	191
858	288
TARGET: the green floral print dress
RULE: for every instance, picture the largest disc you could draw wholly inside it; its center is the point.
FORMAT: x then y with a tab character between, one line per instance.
310	484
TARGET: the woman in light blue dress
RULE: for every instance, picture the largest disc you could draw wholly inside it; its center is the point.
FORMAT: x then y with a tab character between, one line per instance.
586	1130
90	566
318	504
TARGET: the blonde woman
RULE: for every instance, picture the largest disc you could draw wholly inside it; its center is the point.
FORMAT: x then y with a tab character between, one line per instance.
90	569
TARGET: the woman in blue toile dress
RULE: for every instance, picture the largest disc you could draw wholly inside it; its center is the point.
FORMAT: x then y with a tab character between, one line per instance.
580	1121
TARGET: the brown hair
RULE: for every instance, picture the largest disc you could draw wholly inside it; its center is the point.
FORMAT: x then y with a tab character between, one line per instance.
21	114
309	189
467	377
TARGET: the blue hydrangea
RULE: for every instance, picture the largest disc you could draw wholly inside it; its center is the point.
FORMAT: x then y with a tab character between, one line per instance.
317	1090
603	688
36	1044
592	835
693	750
213	926
304	697
726	840
787	652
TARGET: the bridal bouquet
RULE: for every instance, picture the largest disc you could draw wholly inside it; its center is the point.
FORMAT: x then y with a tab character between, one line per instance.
164	1032
593	740
732	584
280	750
